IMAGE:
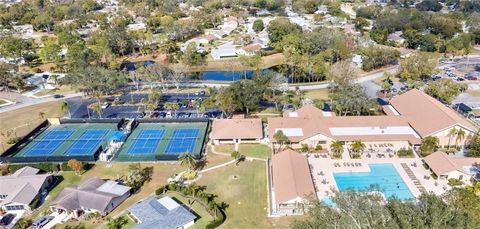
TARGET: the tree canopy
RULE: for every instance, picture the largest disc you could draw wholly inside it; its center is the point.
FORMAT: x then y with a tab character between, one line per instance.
369	210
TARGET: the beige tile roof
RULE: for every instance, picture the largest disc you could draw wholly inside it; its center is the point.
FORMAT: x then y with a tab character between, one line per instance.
308	111
291	176
416	110
426	114
440	163
237	129
317	125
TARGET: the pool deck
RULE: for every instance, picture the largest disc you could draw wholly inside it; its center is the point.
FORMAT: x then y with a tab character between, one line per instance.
327	167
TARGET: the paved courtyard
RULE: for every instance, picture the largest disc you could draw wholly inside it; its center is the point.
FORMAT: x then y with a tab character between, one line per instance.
323	170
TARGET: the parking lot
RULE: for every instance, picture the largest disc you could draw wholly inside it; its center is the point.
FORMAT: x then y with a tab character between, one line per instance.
128	106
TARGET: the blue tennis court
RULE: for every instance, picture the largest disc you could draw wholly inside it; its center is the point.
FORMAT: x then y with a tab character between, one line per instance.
183	141
48	143
88	142
147	141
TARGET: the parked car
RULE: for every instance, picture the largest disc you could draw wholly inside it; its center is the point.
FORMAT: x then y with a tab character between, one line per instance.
472	78
459	79
42	221
57	96
7	219
105	105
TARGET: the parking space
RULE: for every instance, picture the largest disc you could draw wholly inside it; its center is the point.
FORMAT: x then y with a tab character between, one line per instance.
128	106
16	214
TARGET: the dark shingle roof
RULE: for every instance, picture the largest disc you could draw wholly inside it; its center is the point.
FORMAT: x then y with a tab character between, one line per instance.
154	215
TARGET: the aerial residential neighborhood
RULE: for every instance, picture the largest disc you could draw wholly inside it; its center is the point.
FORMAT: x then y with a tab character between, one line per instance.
118	114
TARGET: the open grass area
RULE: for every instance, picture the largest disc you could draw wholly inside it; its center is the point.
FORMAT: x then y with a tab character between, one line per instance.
244	189
60	90
249	150
321	94
2	101
23	120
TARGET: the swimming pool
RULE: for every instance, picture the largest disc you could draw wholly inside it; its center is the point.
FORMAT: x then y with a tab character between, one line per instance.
382	177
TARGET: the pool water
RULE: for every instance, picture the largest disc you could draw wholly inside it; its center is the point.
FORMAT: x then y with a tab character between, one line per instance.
382	177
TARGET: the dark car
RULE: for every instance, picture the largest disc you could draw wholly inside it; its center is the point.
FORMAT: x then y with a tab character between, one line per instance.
472	78
57	96
7	219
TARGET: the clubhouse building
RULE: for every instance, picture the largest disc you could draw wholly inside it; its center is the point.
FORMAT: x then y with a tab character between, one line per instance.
408	119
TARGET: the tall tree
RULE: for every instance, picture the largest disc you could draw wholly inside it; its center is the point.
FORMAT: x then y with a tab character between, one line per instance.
187	160
337	148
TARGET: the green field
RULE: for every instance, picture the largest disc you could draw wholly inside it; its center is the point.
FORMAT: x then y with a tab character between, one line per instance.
77	128
249	150
169	128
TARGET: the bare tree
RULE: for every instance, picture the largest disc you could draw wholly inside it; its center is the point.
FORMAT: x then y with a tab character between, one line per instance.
176	76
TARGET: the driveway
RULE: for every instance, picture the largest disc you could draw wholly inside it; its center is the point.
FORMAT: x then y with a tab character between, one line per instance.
21	101
58	218
18	215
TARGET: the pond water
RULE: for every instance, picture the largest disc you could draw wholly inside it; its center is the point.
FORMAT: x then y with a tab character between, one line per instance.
225	75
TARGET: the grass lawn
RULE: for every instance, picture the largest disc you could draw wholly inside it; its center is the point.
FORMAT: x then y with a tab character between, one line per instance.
25	119
2	101
249	150
321	94
246	195
60	90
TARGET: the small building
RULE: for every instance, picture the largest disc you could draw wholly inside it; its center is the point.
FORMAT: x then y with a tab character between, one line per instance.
19	190
446	168
226	50
396	37
237	131
290	183
164	213
92	195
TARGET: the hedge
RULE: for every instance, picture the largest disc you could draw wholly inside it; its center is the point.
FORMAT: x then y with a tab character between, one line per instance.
48	167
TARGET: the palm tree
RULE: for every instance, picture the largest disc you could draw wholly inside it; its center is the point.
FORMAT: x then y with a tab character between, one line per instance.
98	108
357	146
451	133
460	136
64	108
187	160
213	206
280	138
337	148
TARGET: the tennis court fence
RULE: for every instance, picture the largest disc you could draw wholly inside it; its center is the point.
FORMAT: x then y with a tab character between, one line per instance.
23	142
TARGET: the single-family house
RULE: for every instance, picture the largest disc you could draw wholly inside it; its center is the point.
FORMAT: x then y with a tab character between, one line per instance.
446	167
290	183
396	37
19	190
237	131
163	213
226	50
24	31
250	49
92	195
